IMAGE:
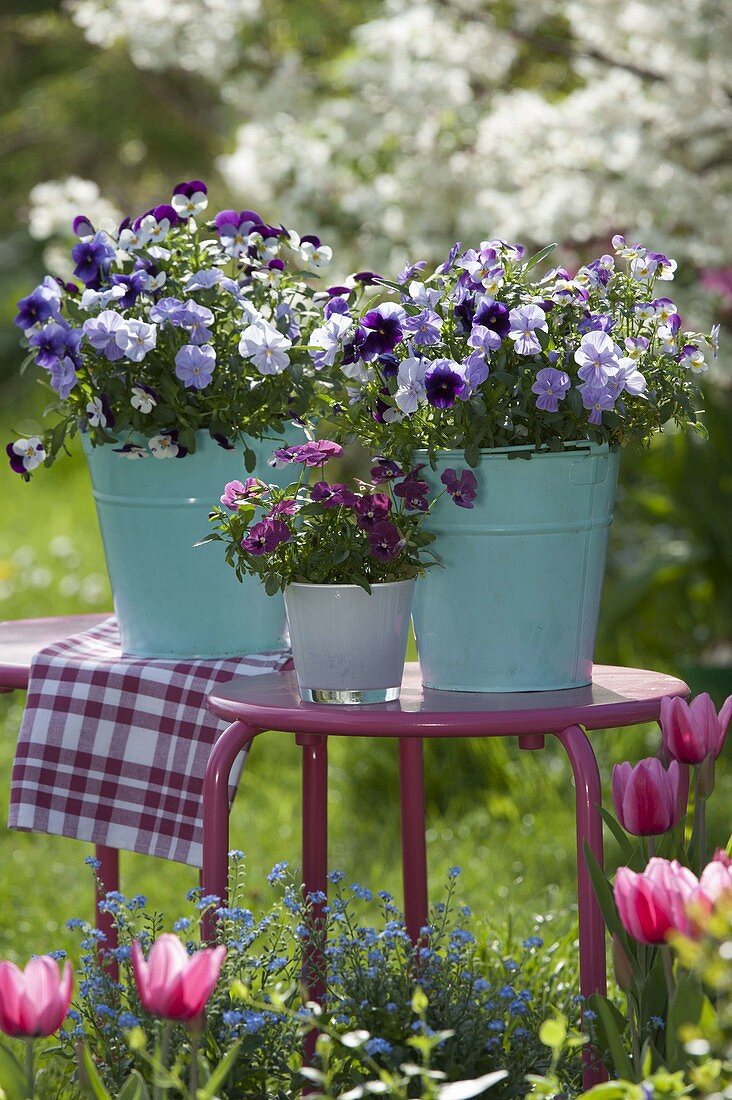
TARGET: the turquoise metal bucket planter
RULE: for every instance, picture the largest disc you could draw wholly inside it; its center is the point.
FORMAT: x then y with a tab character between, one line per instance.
173	599
517	604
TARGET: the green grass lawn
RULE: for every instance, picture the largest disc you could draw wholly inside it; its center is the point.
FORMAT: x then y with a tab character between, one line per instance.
506	818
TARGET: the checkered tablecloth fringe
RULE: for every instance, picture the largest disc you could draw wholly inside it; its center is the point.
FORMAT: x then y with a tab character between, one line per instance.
113	749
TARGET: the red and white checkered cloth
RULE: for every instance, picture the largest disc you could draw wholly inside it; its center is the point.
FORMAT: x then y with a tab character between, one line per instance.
113	749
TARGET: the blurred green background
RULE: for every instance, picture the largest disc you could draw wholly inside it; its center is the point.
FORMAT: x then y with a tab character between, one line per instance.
362	120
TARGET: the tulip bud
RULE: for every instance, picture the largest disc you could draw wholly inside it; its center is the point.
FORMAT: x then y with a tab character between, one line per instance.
693	730
647	798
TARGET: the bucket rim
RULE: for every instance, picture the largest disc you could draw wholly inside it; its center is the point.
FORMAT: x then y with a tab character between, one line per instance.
572	447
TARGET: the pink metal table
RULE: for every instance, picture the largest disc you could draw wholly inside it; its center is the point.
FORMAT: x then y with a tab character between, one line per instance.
19	641
617	697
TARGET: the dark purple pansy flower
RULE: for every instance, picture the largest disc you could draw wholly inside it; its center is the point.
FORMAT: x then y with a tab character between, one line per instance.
166	212
265	536
332	496
385	542
443	384
338	291
596	322
134	285
383	330
82	227
367	277
462	489
93	259
388	365
493	315
190	187
385	469
413	491
372	508
336	305
223	442
310	238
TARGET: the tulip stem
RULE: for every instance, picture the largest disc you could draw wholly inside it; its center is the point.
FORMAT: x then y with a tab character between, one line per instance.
193	1069
698	842
668	971
165	1034
29	1068
651	840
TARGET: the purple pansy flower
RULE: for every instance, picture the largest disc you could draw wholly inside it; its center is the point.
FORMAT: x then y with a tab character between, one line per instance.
265	536
462	489
443	383
93	259
484	339
424	327
39	306
82	228
493	315
551	385
385	542
452	256
51	344
133	286
26	454
385	469
524	322
410	270
326	342
414	491
315	453
166	311
236	491
384	330
107	334
194	365
372	508
332	496
476	371
336	304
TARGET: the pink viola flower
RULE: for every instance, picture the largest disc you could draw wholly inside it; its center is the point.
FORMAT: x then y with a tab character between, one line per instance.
653	903
173	984
34	1001
691	731
647	797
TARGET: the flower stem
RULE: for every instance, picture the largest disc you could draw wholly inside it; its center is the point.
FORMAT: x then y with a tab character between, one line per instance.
193	1068
29	1067
668	971
165	1034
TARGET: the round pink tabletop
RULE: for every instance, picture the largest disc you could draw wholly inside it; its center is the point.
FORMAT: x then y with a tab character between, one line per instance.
616	697
20	639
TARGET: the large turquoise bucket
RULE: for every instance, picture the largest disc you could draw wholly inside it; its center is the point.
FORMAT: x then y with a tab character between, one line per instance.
517	604
173	599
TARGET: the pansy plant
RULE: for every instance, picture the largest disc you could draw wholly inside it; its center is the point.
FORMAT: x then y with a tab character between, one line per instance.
483	353
174	324
321	532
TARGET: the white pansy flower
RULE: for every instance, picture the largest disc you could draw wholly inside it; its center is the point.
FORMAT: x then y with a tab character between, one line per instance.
411	391
163	446
137	339
142	399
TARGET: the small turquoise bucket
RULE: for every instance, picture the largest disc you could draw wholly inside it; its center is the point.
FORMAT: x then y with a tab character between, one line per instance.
517	604
172	599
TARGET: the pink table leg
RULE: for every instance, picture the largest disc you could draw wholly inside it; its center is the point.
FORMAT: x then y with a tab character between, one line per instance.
215	868
108	875
314	863
588	795
414	848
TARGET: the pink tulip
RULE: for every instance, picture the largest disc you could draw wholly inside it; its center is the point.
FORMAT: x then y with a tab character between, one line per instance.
647	797
654	903
715	882
691	731
172	983
34	1001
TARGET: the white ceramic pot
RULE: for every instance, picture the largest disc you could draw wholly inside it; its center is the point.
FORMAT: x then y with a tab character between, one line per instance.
349	646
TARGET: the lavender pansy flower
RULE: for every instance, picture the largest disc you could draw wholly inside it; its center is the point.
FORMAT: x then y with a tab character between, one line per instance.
266	347
236	491
63	378
204	279
196	318
265	536
385	542
551	385
484	339
444	382
426	297
425	327
106	334
462	489
524	322
26	454
410	270
195	365
597	400
328	339
597	357
475	371
166	311
411	392
627	378
138	339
